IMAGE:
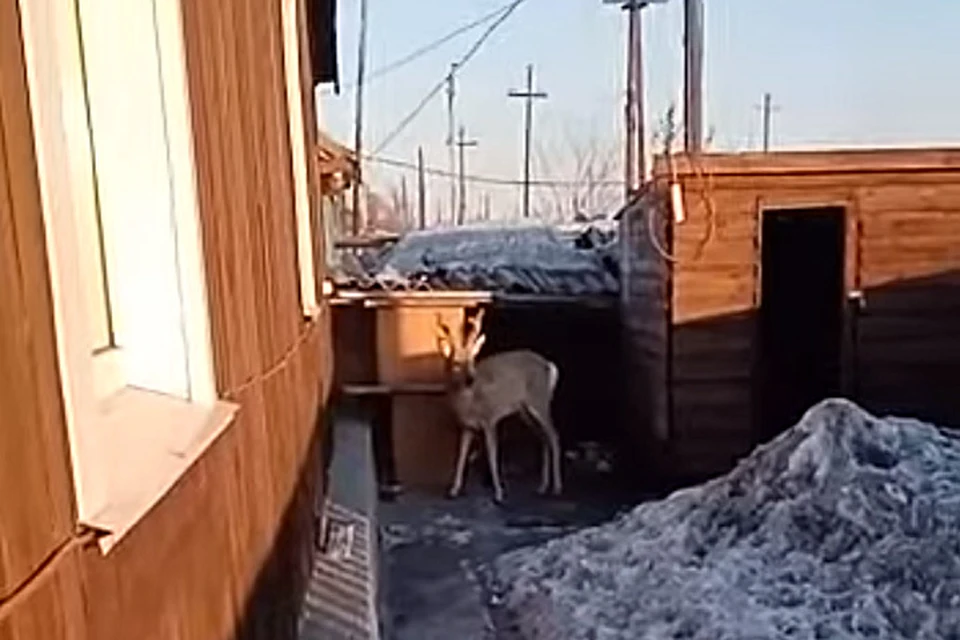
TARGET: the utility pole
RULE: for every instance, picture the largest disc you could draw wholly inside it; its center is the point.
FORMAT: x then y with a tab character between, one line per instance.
421	190
404	200
635	154
451	142
358	123
463	143
693	75
486	207
529	95
768	109
635	169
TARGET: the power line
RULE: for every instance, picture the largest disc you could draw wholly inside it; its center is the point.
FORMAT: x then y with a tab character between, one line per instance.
506	182
443	82
431	47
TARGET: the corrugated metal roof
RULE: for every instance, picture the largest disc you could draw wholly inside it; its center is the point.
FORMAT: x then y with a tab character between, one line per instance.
532	259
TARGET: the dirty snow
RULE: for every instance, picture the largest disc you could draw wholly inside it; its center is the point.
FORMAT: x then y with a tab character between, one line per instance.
846	526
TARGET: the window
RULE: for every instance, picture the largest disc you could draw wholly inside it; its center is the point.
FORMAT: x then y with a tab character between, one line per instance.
112	127
127	99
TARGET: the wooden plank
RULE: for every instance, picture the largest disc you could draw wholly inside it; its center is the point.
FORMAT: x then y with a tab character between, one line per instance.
915	197
902	269
727	392
409	389
697	297
942	350
694	249
407	343
913	323
37	511
789	163
704	338
714	350
424	442
939	242
51	606
933	223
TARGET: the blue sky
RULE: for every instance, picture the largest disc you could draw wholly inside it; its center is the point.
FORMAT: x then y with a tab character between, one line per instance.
843	72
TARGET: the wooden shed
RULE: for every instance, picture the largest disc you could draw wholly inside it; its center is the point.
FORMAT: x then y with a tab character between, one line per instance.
791	277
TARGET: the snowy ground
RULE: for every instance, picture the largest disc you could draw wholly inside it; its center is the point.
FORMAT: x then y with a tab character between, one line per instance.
437	554
844	527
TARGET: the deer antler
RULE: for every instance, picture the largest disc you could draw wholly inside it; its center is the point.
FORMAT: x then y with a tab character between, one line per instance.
442	328
444	337
474	325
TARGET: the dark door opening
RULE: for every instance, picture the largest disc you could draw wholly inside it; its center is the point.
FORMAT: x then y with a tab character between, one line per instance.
801	313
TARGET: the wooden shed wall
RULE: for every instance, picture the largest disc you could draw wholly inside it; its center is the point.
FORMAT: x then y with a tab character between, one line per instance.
644	308
902	249
225	553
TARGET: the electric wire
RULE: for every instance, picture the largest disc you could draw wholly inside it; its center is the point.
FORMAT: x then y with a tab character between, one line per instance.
442	83
491	180
429	48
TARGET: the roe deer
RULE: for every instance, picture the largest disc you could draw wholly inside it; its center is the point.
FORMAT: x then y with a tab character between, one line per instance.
484	393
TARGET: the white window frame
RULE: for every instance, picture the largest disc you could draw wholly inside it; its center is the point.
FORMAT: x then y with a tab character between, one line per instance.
128	445
300	156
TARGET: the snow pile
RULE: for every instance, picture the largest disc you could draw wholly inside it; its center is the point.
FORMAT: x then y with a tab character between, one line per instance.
846	526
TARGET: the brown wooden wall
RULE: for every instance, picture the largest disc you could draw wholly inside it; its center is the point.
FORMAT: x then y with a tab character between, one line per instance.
903	250
36	507
225	552
645	321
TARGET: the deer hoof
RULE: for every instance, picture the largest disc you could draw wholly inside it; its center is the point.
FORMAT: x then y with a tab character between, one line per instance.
543	490
453	494
498	500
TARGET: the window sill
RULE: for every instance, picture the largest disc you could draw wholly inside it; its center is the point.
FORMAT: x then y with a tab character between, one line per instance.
146	442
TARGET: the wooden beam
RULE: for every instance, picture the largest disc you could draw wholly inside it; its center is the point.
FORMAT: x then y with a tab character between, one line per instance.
811	162
409	389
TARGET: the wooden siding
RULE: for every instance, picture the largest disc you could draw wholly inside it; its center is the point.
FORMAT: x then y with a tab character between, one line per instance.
36	508
226	552
903	250
908	336
645	312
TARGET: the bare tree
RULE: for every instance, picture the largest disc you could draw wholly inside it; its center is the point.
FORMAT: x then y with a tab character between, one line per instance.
585	170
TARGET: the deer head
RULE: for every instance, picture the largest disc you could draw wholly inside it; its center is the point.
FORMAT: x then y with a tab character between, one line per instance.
460	358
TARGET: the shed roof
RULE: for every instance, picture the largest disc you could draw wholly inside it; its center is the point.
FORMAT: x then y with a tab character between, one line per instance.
528	259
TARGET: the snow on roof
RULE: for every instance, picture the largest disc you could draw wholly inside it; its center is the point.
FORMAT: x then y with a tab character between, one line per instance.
519	258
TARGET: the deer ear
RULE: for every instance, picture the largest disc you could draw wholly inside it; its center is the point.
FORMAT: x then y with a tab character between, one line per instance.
477	345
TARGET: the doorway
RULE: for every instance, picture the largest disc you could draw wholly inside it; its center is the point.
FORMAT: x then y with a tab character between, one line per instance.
801	324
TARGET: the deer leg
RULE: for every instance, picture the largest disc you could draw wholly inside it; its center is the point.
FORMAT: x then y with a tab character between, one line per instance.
552	447
551	450
554	444
490	433
545	457
466	439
